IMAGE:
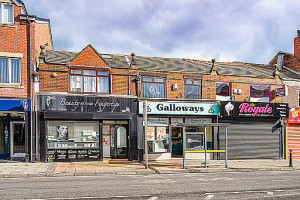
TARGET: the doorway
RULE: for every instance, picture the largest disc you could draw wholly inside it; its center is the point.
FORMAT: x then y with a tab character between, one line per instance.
177	150
17	141
115	141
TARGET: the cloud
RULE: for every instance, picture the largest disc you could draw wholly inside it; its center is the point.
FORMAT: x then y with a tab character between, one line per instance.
228	30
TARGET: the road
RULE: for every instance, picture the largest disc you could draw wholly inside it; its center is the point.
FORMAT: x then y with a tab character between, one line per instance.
237	185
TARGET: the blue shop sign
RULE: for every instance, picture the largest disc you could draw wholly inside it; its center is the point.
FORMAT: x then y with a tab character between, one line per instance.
14	105
180	108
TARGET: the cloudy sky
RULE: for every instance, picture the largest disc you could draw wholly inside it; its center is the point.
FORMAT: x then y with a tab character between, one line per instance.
227	30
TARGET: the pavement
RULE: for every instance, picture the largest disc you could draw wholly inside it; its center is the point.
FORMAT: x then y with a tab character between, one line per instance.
115	167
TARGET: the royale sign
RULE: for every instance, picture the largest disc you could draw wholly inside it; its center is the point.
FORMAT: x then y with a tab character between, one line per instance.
254	109
179	108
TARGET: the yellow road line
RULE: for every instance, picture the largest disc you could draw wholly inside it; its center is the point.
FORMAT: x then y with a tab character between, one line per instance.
208	151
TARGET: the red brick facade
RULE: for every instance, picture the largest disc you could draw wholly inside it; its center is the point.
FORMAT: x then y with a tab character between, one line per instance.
121	78
18	38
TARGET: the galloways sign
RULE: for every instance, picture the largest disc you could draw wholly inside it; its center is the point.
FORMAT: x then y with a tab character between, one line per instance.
180	108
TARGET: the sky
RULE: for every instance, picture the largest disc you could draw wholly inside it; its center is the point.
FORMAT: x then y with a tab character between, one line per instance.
227	30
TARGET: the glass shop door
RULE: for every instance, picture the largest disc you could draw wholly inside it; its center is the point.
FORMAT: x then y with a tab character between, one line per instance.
115	141
177	147
119	142
107	130
17	142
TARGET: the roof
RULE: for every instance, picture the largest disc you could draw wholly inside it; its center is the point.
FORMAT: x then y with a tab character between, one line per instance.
177	65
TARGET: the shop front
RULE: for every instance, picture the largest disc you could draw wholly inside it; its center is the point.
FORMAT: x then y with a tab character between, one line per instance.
255	130
165	129
79	128
14	122
292	130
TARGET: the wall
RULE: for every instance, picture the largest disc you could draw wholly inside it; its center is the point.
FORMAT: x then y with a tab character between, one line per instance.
291	97
49	83
15	39
120	83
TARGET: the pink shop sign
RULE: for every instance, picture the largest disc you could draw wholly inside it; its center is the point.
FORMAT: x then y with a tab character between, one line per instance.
250	108
253	109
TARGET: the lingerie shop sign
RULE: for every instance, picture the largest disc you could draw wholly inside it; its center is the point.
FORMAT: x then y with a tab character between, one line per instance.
180	108
254	109
86	104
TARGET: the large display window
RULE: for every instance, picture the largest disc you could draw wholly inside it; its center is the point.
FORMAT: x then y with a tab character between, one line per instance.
158	139
73	135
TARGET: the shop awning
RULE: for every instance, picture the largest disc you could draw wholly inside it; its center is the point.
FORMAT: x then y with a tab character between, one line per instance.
14	105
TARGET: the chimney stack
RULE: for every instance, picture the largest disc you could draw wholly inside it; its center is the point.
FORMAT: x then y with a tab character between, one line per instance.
297	45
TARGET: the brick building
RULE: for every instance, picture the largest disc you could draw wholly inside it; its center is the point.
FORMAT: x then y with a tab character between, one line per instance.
21	35
291	62
106	90
67	106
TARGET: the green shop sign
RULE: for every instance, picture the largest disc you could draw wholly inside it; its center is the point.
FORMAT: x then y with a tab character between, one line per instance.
178	108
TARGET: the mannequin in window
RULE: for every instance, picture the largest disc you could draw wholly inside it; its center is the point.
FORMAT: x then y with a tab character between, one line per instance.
62	132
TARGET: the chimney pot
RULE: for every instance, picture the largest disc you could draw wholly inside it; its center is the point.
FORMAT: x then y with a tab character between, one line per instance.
298	33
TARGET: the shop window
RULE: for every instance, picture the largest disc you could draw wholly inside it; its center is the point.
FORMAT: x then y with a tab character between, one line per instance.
10	71
6	13
89	81
259	93
73	135
193	89
223	91
209	134
153	87
158	139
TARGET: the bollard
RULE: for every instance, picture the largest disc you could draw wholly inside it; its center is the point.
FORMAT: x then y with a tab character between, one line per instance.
291	158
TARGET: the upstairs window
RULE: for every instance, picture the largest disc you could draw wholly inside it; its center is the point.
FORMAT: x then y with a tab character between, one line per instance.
259	92
10	71
6	13
193	89
89	81
153	87
223	91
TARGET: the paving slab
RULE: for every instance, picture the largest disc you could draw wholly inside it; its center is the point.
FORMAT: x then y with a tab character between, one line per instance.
22	170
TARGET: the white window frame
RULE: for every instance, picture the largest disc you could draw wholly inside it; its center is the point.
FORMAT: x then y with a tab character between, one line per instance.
221	97
261	99
9	72
2	13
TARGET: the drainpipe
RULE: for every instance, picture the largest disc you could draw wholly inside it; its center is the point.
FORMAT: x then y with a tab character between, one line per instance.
129	85
31	94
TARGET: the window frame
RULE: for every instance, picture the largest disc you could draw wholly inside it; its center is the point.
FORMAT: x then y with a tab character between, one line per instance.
153	81
193	84
2	13
269	92
96	76
230	90
10	71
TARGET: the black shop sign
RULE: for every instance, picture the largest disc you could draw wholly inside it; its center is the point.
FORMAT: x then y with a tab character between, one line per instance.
86	104
254	109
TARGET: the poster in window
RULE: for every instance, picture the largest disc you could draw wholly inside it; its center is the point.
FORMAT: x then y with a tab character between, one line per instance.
62	132
161	133
150	133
